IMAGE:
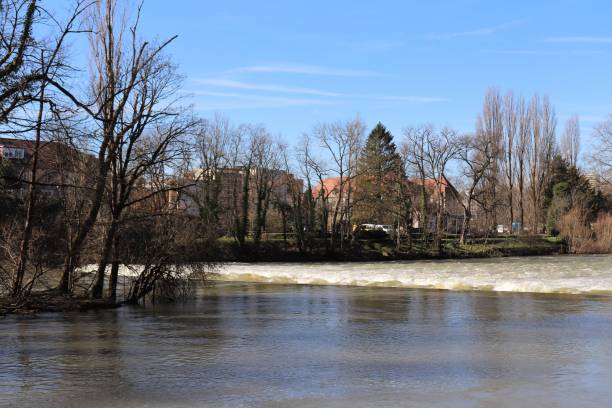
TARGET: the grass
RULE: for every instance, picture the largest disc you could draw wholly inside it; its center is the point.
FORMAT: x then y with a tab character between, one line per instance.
382	249
506	246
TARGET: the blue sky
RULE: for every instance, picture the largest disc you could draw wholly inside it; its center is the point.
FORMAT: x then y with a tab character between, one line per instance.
290	64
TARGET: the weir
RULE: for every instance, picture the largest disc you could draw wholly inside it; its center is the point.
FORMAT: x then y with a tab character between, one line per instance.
554	274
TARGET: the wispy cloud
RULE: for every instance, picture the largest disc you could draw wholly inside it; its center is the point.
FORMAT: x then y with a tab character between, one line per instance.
478	31
579	40
305	70
412	98
220	93
230	100
218	100
229	83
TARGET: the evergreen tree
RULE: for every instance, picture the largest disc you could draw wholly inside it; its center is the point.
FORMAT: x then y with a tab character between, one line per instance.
379	178
567	189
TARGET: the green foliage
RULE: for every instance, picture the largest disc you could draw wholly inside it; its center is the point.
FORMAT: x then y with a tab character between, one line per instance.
568	189
379	156
561	189
379	179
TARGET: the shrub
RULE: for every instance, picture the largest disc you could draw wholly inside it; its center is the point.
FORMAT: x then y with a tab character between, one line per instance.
581	237
603	233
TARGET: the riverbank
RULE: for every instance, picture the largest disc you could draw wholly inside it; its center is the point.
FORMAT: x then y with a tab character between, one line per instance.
52	301
386	250
279	251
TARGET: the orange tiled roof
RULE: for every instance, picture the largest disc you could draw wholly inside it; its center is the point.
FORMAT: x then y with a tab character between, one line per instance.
329	184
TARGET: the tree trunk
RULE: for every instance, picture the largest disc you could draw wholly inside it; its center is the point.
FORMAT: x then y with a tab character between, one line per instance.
465	225
284	222
258	226
114	275
244	221
98	288
521	213
521	192
71	259
298	223
423	215
398	241
24	245
439	229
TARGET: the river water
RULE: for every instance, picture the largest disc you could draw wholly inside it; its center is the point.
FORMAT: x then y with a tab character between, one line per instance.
243	344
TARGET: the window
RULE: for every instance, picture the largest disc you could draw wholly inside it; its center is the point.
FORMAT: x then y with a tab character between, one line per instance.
11	152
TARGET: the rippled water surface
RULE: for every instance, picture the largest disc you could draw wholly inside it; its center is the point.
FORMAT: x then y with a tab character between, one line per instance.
266	345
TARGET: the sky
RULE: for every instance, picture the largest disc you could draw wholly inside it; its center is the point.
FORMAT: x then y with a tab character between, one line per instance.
290	65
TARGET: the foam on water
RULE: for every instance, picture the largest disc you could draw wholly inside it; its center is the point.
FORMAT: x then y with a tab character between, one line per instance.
124	270
559	274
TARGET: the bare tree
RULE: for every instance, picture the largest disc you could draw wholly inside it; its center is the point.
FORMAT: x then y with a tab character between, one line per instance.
308	167
124	68
136	155
602	150
541	148
414	152
341	142
476	153
570	141
236	159
264	170
242	217
430	152
117	68
354	133
509	132
440	150
212	155
17	73
521	151
49	65
330	136
293	201
491	123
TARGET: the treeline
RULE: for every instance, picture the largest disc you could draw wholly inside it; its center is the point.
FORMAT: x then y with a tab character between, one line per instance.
118	171
107	142
512	171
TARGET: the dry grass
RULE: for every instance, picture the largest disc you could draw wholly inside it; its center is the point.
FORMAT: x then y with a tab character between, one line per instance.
584	238
603	234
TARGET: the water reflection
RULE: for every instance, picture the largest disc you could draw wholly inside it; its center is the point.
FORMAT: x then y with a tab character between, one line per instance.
284	345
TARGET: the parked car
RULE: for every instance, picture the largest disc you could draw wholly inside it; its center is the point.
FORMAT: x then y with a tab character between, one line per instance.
388	229
370	231
367	227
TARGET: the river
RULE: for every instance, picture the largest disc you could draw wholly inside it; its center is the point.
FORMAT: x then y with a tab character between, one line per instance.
376	343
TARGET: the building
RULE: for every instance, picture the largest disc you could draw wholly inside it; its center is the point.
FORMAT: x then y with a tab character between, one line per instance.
58	165
225	189
329	190
327	195
449	200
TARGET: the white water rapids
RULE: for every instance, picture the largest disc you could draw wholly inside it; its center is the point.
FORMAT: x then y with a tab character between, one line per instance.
551	274
590	274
